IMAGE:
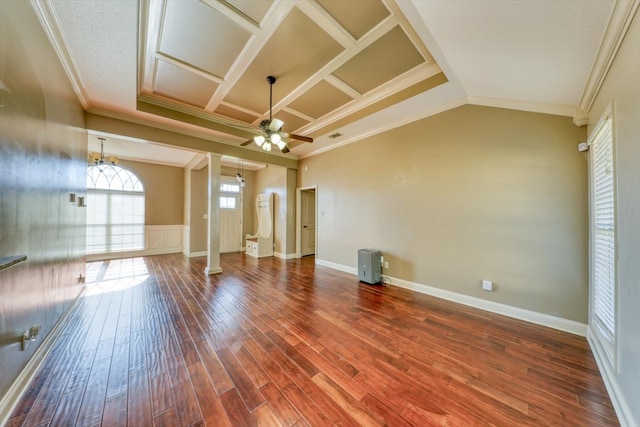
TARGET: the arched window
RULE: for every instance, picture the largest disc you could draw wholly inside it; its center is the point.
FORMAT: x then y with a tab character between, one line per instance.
115	210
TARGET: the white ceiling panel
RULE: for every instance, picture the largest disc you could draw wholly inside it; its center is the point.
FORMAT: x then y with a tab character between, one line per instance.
198	35
535	51
182	85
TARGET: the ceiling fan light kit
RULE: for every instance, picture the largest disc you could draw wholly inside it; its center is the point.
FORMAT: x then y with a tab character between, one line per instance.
271	129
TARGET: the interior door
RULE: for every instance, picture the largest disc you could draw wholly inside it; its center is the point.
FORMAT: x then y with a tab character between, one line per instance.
230	216
308	221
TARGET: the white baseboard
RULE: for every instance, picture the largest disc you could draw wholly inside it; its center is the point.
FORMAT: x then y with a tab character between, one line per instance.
340	267
19	386
494	307
195	254
133	254
623	411
284	256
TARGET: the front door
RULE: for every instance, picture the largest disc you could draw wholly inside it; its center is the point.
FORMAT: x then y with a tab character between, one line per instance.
308	220
230	216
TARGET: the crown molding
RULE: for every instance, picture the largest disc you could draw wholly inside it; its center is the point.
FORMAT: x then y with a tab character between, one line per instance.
514	104
454	103
580	117
619	21
50	24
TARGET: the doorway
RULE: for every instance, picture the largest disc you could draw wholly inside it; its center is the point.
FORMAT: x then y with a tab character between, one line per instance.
306	230
230	215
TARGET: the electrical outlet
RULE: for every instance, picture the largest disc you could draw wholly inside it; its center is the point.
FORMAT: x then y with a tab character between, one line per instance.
386	264
487	285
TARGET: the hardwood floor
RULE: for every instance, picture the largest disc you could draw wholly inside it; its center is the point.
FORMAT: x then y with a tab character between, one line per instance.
272	342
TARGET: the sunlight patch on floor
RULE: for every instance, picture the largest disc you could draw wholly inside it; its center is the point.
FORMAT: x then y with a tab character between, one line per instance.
115	275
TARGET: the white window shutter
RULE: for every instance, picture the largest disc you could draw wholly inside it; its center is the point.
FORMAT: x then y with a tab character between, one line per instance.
604	229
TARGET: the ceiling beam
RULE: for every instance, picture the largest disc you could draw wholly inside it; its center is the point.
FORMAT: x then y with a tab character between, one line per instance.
135	130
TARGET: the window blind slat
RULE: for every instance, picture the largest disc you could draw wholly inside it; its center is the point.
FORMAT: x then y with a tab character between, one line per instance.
603	204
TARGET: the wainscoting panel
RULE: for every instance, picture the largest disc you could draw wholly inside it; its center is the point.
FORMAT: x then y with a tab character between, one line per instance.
158	239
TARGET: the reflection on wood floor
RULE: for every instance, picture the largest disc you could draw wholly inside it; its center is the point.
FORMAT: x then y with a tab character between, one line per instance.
273	342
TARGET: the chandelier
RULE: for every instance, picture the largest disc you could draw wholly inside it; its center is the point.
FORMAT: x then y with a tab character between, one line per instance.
98	159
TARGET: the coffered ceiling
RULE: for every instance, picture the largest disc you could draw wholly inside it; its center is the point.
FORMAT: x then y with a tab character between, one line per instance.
210	59
351	68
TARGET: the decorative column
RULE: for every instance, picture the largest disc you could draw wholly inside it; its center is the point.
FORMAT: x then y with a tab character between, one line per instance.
213	225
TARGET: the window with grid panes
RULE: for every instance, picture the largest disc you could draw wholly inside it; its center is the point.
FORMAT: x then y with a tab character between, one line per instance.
115	210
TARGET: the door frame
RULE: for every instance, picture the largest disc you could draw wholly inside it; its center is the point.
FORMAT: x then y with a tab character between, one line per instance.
299	191
233	180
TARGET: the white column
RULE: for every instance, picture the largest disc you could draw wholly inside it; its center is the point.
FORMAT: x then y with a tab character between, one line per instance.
213	228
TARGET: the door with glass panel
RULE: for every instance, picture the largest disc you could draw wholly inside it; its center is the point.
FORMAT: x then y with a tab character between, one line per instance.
230	216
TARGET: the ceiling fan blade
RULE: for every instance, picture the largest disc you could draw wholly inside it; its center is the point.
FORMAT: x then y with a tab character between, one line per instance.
298	137
247	142
276	125
285	149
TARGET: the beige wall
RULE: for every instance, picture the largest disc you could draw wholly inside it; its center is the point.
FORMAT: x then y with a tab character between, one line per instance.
273	179
43	159
199	207
197	198
622	88
470	194
163	191
186	209
292	181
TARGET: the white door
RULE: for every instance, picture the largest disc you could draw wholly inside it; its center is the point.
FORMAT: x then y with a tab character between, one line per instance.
308	221
230	216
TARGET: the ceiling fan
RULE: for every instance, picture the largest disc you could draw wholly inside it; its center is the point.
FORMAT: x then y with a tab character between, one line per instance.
272	129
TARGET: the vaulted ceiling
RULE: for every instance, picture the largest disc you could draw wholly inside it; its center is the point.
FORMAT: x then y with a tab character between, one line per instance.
351	68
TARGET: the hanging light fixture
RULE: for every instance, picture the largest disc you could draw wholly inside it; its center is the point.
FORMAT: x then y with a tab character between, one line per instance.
271	127
99	159
239	176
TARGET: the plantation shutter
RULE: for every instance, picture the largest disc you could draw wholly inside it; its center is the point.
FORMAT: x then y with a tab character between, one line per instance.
604	226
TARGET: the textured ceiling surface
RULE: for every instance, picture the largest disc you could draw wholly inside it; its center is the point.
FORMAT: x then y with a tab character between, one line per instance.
354	67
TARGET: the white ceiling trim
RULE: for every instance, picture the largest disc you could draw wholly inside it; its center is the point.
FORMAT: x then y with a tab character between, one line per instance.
386	26
51	26
342	86
514	104
439	99
325	21
619	21
197	162
150	22
298	113
161	56
167	124
409	29
419	28
407	79
239	19
271	22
